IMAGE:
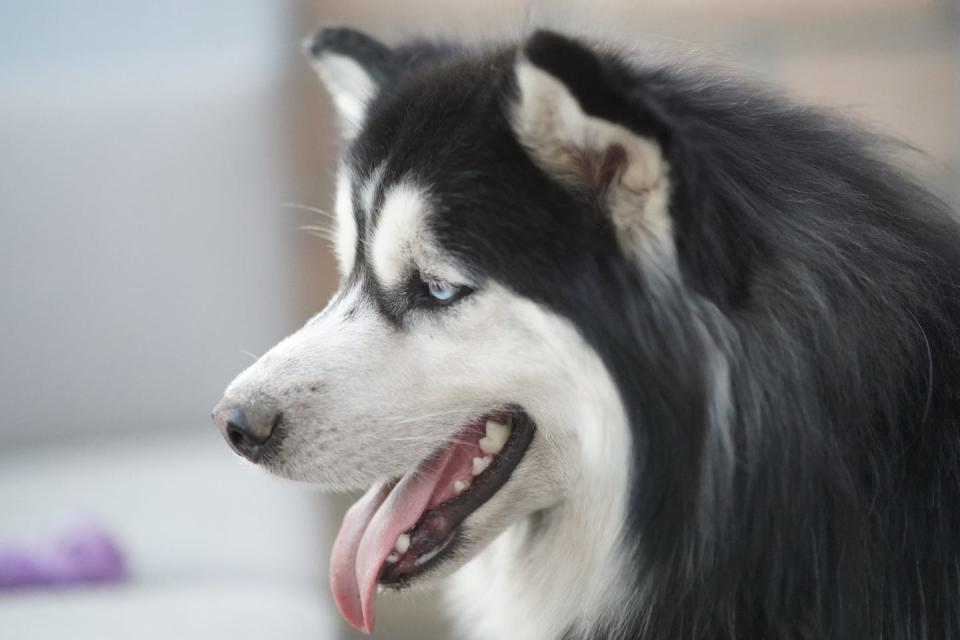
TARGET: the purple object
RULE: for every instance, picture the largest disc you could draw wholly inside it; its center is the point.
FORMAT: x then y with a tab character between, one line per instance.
80	557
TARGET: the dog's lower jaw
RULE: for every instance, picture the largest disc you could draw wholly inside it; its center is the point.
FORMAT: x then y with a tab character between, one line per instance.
545	577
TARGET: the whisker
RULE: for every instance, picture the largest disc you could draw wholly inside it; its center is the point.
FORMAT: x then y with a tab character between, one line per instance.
250	354
316	227
304	207
318	231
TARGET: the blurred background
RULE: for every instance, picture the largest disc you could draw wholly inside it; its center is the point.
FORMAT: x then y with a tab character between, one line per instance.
156	163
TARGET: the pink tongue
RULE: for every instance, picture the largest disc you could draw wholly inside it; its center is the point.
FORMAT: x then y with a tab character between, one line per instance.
369	532
343	558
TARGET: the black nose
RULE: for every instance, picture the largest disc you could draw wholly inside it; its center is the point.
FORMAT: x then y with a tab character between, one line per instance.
247	429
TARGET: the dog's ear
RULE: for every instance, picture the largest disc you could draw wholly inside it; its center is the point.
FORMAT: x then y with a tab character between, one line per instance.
354	67
576	126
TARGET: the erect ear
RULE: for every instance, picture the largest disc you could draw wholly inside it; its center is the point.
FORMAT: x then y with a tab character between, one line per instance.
353	66
579	128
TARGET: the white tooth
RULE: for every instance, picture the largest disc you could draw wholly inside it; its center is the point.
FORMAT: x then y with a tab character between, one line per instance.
490	446
498	432
393	557
459	486
480	464
381	588
403	543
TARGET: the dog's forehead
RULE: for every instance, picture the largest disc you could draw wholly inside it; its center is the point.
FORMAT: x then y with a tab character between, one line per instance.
437	167
402	177
433	122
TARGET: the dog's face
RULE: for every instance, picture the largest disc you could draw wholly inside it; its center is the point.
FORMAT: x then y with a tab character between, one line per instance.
476	204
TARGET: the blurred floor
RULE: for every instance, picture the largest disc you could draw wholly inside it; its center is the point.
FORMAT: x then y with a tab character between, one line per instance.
214	547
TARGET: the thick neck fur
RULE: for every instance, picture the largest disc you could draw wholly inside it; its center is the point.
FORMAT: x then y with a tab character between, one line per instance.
818	486
554	573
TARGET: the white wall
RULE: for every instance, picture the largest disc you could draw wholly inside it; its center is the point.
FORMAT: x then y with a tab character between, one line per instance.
143	241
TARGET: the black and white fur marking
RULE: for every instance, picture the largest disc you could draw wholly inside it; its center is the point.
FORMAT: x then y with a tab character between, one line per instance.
734	324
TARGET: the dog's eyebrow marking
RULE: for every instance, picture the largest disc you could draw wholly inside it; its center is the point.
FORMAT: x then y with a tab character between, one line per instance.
398	232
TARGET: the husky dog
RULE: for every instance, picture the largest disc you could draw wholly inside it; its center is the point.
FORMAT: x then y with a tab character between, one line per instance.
632	351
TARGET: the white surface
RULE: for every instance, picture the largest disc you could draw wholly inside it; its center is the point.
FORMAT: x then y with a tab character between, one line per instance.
254	611
215	547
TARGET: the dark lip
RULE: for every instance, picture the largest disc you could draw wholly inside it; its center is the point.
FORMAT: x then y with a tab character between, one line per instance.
440	526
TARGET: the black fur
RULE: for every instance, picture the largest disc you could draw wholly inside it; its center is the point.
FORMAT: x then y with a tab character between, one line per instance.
826	278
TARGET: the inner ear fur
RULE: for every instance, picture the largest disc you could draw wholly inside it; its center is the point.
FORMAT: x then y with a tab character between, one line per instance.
579	130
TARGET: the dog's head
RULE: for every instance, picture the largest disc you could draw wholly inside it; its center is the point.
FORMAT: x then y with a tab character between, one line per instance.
489	208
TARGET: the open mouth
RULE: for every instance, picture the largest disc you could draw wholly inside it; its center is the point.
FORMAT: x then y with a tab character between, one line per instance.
404	527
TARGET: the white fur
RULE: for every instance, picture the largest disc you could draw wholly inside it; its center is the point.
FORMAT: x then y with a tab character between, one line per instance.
566	142
399	234
351	87
345	239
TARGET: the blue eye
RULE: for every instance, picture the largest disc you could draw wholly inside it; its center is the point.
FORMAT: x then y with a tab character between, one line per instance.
442	290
